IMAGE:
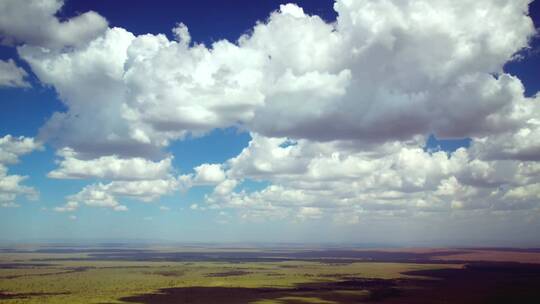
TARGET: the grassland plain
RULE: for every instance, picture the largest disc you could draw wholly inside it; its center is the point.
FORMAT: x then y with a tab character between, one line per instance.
208	275
70	278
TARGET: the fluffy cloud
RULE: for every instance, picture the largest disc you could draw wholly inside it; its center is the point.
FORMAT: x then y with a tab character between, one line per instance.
89	80
208	174
11	75
414	70
522	143
398	70
11	148
309	213
68	207
107	195
94	196
338	111
11	188
128	70
311	180
35	23
135	178
109	167
148	190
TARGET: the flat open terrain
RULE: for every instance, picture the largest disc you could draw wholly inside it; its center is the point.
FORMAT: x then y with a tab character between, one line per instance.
119	274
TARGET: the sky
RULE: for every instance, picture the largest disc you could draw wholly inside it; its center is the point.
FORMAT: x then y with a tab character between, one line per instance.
406	123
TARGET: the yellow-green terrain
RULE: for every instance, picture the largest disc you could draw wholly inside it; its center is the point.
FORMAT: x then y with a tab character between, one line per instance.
53	278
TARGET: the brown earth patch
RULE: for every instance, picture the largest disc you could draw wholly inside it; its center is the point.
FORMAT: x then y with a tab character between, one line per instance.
11	295
228	273
492	256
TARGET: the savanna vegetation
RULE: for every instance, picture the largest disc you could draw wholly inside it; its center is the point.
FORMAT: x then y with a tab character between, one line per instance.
242	276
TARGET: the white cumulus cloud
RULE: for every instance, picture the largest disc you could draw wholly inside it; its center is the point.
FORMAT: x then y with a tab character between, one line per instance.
109	167
11	75
338	111
35	23
11	148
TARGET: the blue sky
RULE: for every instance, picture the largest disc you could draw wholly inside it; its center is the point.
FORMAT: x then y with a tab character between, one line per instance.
313	121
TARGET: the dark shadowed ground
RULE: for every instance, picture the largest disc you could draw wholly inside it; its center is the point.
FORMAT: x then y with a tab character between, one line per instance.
477	283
